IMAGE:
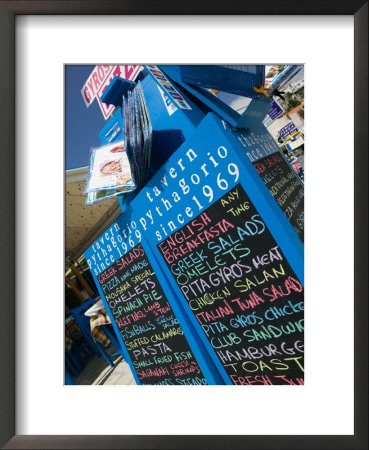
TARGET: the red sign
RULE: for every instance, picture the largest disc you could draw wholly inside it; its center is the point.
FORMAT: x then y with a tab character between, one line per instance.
100	79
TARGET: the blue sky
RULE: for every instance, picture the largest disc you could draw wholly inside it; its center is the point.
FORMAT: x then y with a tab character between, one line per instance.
82	124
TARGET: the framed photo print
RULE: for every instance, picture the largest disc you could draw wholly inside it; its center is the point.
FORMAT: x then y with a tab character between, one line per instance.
214	217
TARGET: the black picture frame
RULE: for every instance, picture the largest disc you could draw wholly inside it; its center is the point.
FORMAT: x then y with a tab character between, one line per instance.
8	11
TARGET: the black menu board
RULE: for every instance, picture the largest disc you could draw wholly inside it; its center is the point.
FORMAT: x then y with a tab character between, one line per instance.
285	187
150	330
241	290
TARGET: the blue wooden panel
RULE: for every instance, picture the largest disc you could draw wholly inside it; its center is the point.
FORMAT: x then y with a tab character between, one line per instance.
235	79
113	129
254	114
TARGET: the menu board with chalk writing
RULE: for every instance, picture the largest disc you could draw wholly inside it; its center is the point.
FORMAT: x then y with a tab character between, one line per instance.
282	181
241	289
230	255
285	187
158	343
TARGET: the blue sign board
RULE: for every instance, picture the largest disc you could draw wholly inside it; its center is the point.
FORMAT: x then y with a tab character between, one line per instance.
256	142
230	255
275	111
287	130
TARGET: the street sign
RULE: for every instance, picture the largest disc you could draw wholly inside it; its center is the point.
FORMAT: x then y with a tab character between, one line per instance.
287	130
276	110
